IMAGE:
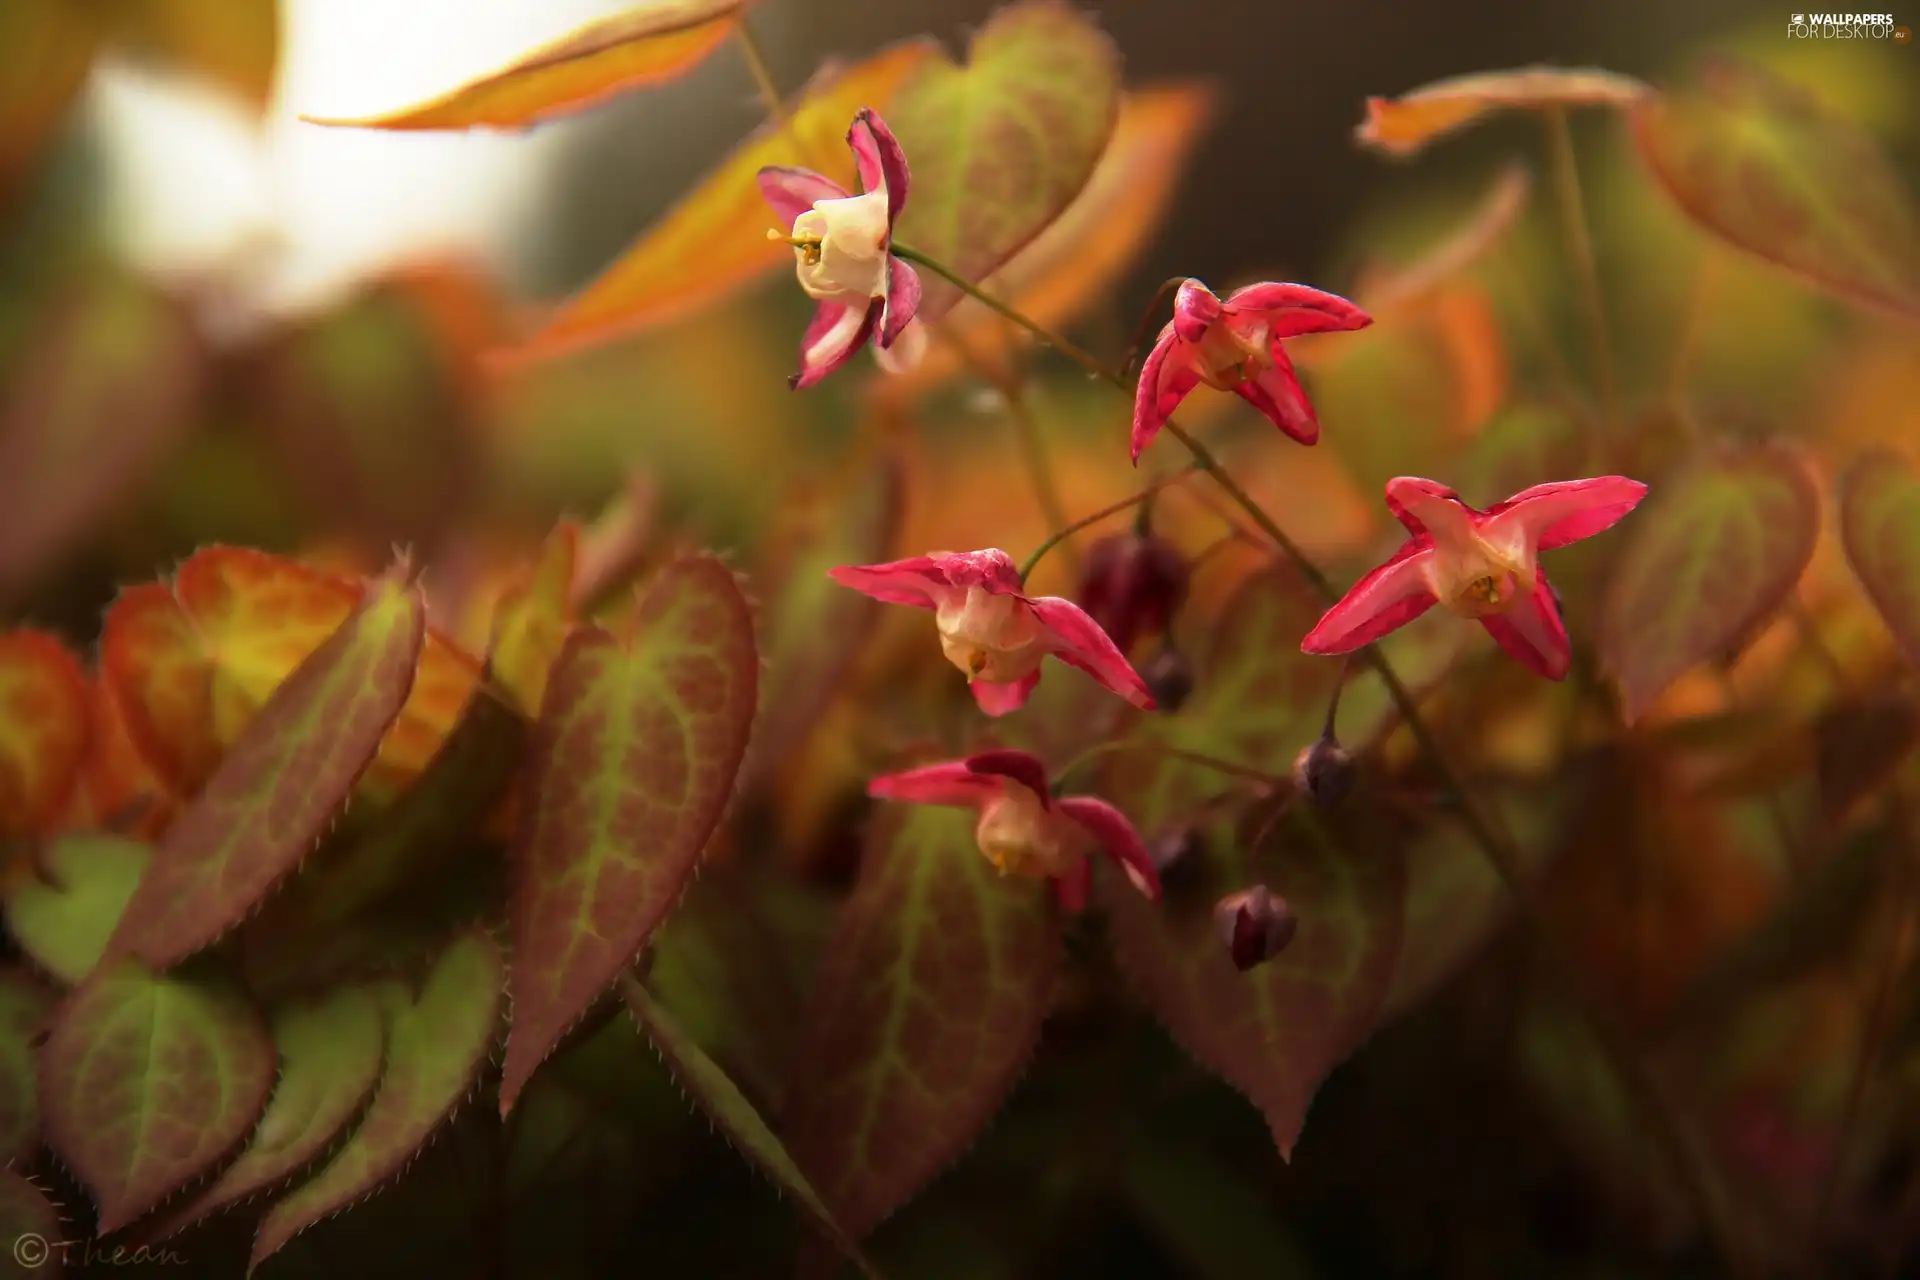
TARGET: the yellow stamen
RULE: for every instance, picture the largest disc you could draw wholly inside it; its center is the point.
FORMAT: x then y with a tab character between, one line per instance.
809	246
1486	589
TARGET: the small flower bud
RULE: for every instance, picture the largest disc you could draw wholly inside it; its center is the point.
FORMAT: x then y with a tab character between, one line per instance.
1255	925
1133	585
1324	772
1169	678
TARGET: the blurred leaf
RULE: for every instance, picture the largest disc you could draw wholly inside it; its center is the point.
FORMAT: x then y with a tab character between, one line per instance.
331	1051
1761	164
44	728
46	50
1713	555
728	1108
714	240
1000	147
1525	445
1406	124
1210	1216
24	1005
1385	287
1273	1032
105	388
532	617
192	661
630	768
118	787
236	42
64	916
437	1042
925	1010
148	1081
1880	527
283	782
647	45
26	1214
1858	747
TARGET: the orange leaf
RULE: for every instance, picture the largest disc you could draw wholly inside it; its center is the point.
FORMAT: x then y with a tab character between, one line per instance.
193	662
532	617
1403	125
645	46
118	785
46	48
714	241
43	730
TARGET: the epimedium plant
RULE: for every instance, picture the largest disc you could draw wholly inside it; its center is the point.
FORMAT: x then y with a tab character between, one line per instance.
315	855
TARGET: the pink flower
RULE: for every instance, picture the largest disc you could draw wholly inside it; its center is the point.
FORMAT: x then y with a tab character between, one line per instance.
842	249
1235	346
1480	564
991	630
1023	830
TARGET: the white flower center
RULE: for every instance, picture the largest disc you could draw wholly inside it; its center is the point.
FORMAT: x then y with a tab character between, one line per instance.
1022	838
1225	357
840	248
990	637
1475	579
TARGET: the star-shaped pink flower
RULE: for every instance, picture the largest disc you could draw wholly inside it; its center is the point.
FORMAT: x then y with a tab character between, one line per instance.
1023	829
992	630
1479	564
842	248
1235	346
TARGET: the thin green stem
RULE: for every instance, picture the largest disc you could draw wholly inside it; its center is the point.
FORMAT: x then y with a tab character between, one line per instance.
763	74
1123	746
1573	213
1040	332
1066	531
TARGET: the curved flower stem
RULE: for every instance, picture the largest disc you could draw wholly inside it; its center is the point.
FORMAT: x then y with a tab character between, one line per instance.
1066	531
1145	327
1566	181
1042	334
1122	746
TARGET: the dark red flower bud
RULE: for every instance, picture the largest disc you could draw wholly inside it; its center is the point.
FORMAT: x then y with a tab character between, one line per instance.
1255	925
1169	678
1133	585
1324	772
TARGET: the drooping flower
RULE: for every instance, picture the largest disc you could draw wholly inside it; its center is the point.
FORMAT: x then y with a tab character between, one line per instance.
1133	585
1479	564
842	249
1235	346
1024	830
992	630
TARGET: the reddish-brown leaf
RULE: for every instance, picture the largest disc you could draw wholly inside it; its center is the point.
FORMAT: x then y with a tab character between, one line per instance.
1403	125
29	1220
25	1002
45	726
1880	528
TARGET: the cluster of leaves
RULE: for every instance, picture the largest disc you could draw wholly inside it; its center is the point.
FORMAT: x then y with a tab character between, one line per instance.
313	850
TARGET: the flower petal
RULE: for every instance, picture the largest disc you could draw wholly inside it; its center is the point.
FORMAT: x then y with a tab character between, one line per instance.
1195	308
1406	495
1165	380
1295	309
1002	699
1072	888
949	783
908	350
791	191
1425	507
881	162
1118	839
920	581
903	299
1534	633
834	334
1386	599
1077	640
992	570
1023	767
1553	515
1277	393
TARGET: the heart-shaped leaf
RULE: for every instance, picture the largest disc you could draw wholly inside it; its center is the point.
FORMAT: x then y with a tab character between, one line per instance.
24	1004
1404	125
31	1222
331	1053
282	783
646	45
1000	147
148	1081
437	1040
1715	553
630	768
44	730
64	915
728	1108
925	1010
1762	165
1880	528
714	241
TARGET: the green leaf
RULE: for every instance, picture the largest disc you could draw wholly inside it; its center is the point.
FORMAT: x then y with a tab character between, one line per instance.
149	1081
1273	1032
1708	561
1764	166
31	1225
1000	147
63	918
24	1005
437	1042
630	769
728	1108
282	782
1210	1216
924	1011
1880	528
1525	445
331	1051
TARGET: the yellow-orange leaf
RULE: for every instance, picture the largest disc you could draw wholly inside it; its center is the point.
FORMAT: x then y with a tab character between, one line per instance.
1403	125
43	729
1384	287
714	240
644	46
236	42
